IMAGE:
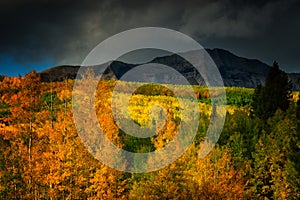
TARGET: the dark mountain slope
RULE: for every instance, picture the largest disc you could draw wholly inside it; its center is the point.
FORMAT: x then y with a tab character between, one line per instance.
235	70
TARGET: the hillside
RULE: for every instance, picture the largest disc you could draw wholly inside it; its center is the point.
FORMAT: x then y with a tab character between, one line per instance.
236	71
49	150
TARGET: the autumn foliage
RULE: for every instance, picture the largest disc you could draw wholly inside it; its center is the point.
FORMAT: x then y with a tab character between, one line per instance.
42	156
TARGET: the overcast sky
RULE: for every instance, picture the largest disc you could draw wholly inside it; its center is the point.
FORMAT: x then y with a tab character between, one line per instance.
38	34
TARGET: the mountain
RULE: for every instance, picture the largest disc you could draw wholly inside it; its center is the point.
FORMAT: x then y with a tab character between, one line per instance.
295	79
238	71
59	73
235	71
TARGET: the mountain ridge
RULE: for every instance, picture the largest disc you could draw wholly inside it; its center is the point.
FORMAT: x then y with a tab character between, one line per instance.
235	70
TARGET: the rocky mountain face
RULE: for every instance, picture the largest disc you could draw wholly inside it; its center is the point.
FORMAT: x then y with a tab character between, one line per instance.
295	79
238	71
235	70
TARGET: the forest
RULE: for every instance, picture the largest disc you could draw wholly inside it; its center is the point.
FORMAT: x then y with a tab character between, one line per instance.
42	157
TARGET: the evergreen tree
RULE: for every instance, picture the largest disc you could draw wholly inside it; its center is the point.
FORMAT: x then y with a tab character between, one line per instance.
274	95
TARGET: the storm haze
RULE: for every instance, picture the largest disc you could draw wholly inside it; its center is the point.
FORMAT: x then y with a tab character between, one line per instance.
37	34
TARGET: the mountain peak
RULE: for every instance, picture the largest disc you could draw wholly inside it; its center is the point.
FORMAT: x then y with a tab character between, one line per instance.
235	71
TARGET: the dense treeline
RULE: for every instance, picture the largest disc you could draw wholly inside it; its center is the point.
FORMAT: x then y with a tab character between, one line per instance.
44	158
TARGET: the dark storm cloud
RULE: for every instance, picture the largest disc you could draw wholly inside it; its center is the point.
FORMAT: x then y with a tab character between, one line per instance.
66	30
